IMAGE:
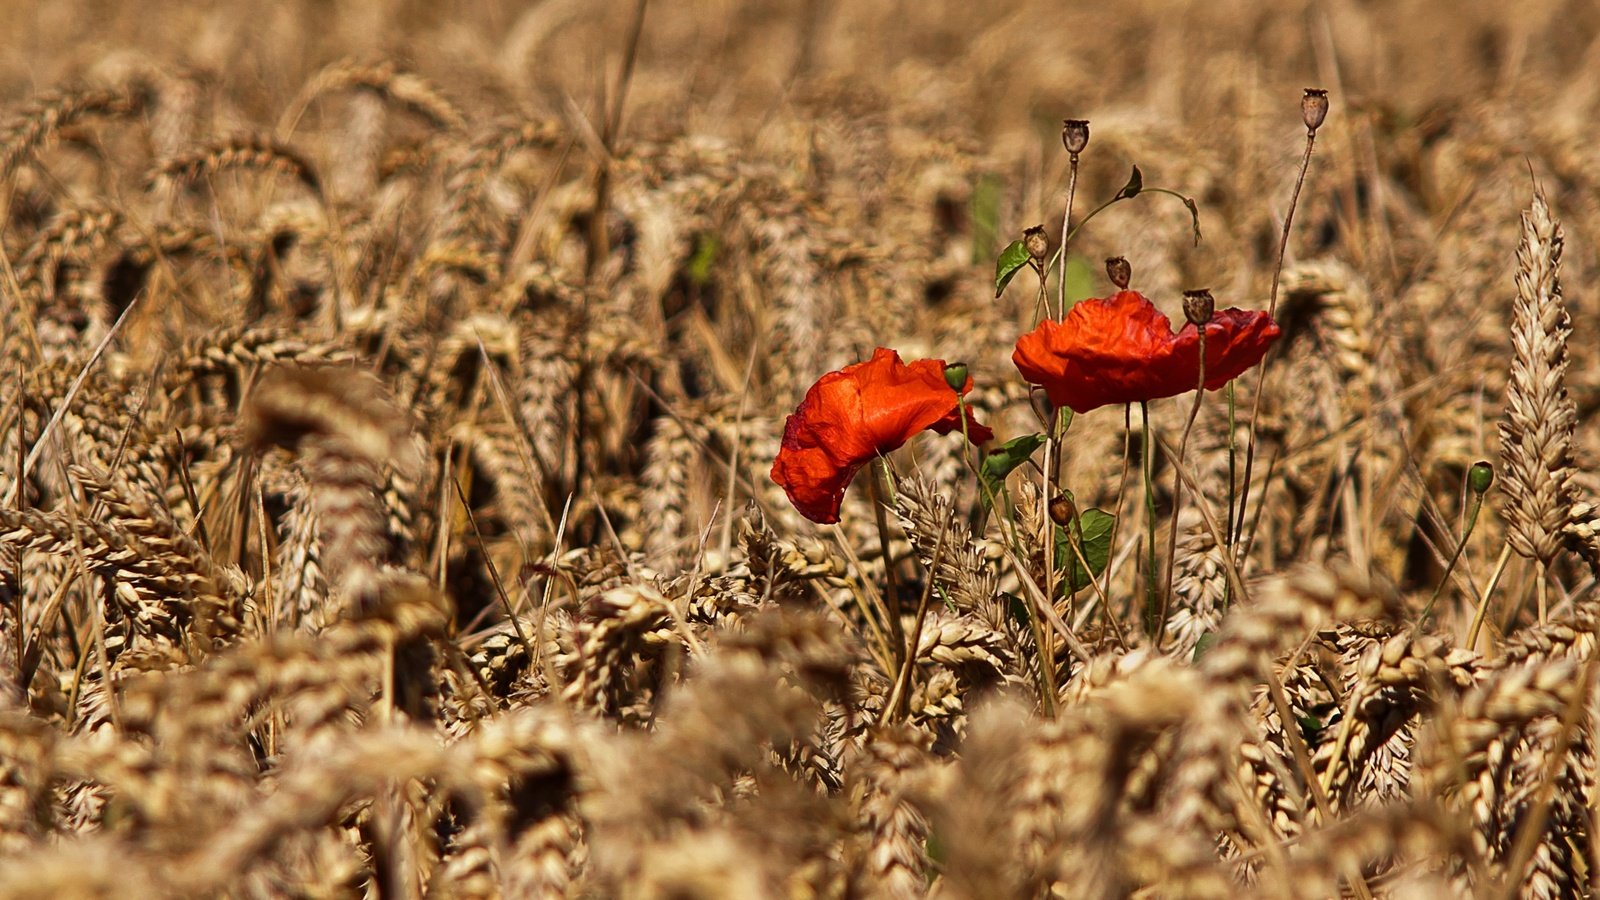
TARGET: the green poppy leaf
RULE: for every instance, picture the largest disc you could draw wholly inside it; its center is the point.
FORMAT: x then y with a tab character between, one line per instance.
1002	462
1092	529
1011	261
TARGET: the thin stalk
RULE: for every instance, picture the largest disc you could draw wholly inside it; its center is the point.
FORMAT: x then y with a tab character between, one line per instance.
1233	483
1041	637
901	694
1147	463
1543	588
1066	234
1177	488
878	486
1272	310
1039	298
1461	546
1488	592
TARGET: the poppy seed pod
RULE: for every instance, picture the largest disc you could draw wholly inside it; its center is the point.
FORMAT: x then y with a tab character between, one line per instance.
1199	306
1075	135
1062	510
1036	242
1480	477
1119	271
1314	107
955	375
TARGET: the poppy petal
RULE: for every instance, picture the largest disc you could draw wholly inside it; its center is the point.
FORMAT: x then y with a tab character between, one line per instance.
859	412
1122	349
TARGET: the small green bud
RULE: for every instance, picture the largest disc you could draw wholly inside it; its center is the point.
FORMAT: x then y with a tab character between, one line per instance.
955	375
1480	477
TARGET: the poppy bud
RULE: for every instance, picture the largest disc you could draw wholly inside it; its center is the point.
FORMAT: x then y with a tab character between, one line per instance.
1314	107
1075	135
1199	306
1062	510
1119	271
955	375
1480	477
1037	244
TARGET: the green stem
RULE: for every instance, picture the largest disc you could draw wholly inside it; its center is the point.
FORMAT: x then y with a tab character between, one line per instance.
1461	546
883	494
1177	487
1073	232
1233	486
1147	463
1066	235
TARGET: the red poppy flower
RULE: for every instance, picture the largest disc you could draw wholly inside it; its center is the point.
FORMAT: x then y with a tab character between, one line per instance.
857	413
1122	349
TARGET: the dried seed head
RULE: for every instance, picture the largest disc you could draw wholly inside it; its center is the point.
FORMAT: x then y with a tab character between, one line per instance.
1199	306
1037	242
1075	135
955	375
1119	271
1062	510
1314	107
1480	477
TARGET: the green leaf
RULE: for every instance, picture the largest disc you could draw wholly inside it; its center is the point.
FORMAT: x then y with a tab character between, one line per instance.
1133	187
1203	644
1011	261
1002	462
1092	529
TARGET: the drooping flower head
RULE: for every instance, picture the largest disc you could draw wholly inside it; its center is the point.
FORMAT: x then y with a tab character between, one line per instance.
855	414
1122	349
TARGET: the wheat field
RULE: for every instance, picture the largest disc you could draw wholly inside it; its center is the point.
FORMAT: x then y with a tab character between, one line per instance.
388	394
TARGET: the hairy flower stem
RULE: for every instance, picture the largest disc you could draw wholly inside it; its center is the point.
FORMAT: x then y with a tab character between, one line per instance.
882	494
1147	463
1237	535
1461	546
1039	300
1066	235
900	697
1177	488
1043	638
1233	479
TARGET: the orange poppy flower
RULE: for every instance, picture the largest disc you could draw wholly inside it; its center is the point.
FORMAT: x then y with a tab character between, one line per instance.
1122	349
857	413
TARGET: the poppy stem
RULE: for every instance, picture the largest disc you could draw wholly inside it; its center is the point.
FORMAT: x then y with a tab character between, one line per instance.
900	697
1233	485
1177	487
1147	463
1461	546
1066	235
882	494
1194	216
1043	638
1039	299
1272	310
